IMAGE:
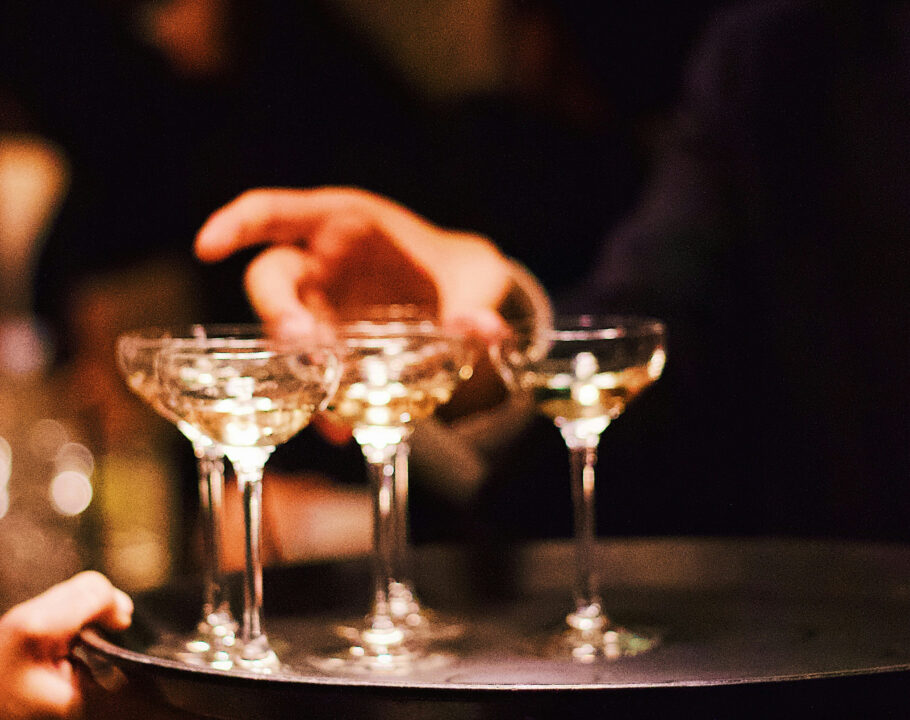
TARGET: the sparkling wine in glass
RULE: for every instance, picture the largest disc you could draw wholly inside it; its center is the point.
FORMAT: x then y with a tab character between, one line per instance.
215	632
248	393
396	372
595	367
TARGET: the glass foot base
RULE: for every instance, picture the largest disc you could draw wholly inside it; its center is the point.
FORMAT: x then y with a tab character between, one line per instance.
429	625
432	626
209	657
424	626
266	664
367	649
214	633
360	660
588	646
408	612
257	656
205	648
219	625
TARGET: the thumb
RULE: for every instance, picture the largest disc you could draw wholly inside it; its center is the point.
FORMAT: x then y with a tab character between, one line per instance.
51	620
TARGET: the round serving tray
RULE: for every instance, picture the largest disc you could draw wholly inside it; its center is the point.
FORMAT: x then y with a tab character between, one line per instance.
749	626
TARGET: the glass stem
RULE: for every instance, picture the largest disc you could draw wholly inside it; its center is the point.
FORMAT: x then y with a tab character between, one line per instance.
401	567
588	613
248	466
210	465
381	468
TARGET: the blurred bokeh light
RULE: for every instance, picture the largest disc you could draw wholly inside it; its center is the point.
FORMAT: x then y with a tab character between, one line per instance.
77	457
71	492
46	437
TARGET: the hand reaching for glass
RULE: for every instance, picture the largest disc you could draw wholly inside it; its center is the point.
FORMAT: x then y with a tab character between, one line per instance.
338	248
335	251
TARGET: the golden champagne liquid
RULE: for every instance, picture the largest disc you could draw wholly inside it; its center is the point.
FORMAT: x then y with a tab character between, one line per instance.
565	398
392	405
241	399
381	388
249	422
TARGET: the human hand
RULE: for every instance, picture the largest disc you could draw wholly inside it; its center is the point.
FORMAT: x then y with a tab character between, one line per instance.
339	249
36	678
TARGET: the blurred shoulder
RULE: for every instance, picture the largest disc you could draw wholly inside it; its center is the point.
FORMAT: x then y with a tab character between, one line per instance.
756	51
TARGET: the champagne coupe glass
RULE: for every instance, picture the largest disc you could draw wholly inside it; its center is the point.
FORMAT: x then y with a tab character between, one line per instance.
595	367
249	393
215	632
404	605
527	317
396	371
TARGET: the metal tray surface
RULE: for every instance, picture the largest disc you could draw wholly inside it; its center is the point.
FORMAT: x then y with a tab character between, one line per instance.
747	625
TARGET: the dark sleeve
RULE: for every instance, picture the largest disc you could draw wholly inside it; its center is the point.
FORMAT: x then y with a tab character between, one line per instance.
746	160
660	259
769	234
676	258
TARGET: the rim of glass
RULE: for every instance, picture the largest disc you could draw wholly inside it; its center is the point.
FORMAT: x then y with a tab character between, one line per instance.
231	336
253	348
364	329
193	332
247	352
604	327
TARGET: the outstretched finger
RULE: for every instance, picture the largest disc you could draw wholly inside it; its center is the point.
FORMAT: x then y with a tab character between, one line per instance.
277	215
255	217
